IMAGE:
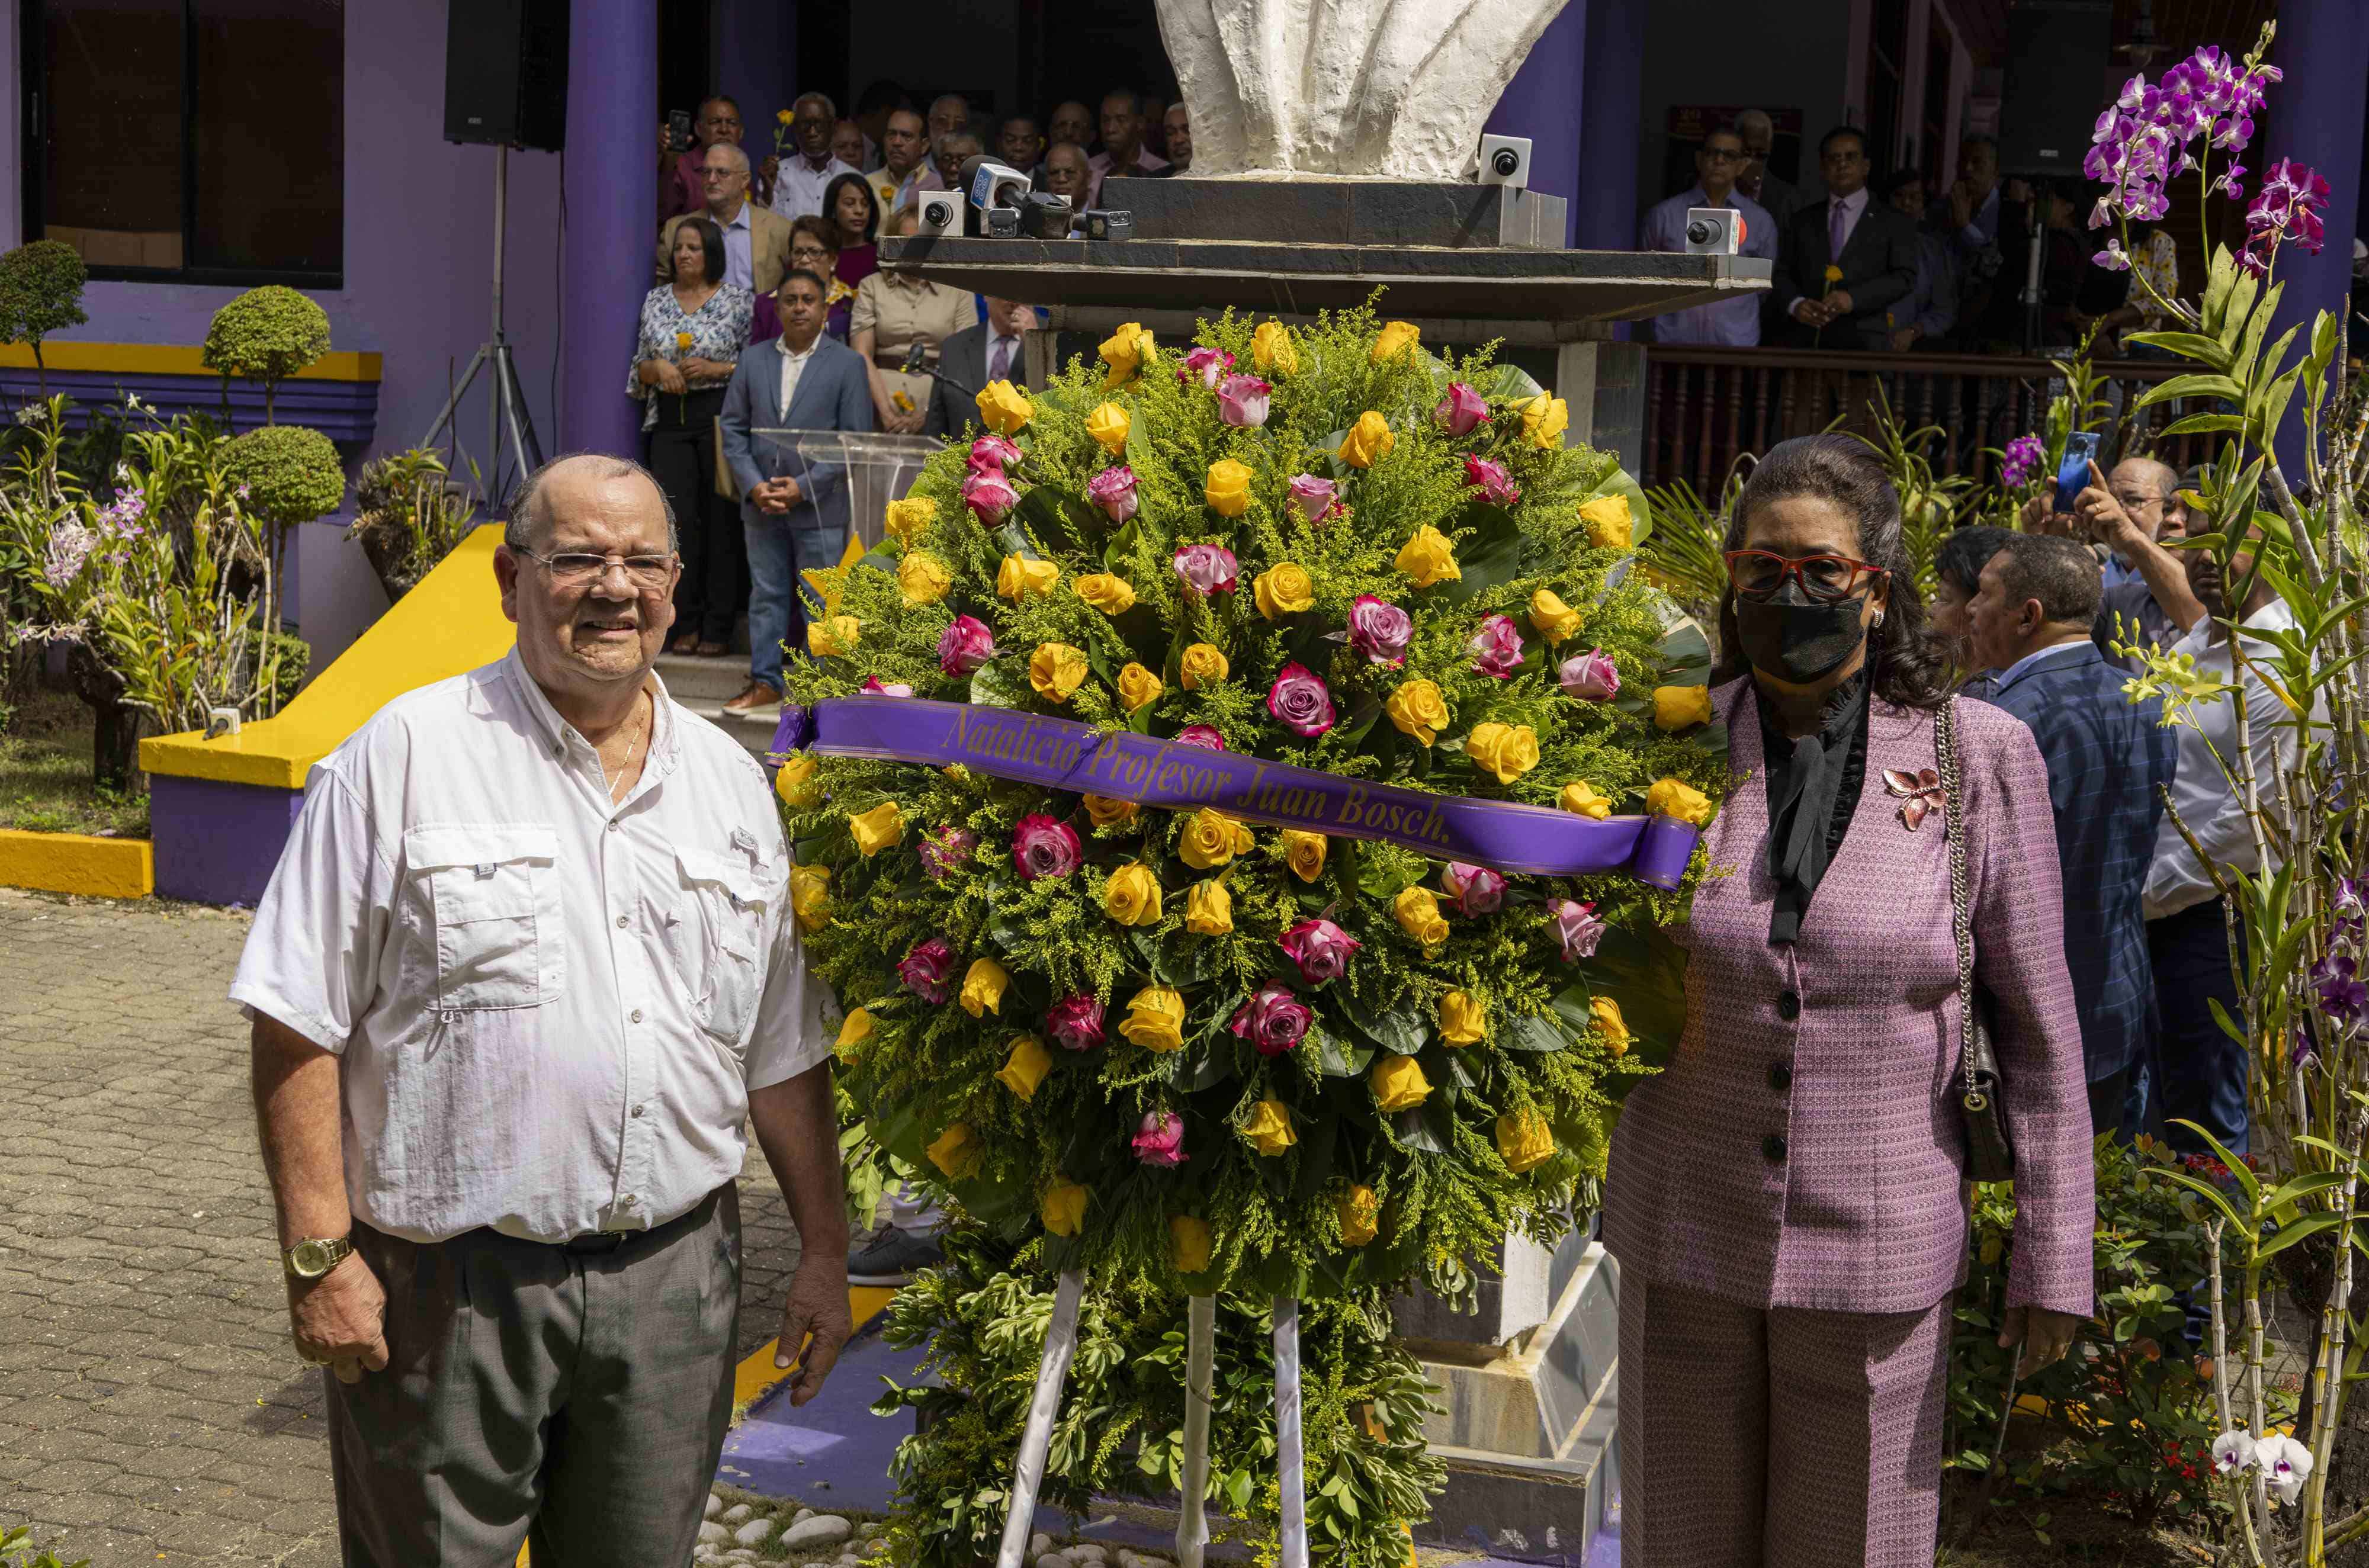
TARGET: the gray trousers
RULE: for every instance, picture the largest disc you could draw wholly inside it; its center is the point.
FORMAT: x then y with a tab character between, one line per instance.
575	1401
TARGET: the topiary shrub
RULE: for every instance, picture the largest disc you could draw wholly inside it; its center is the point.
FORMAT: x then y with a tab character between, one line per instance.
40	292
291	473
266	335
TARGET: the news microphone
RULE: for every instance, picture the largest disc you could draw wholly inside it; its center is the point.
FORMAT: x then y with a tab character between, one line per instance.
988	183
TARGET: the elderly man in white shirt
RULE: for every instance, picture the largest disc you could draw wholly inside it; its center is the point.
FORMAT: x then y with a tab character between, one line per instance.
806	174
526	969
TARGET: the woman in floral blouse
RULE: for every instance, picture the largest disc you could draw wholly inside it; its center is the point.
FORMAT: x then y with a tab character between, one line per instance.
692	331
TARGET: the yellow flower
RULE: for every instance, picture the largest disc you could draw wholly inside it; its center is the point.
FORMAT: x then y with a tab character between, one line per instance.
1668	797
1155	1019
1428	558
922	578
1111	595
1269	1128
881	828
1418	915
1399	1083
957	1152
1361	1211
1273	351
1227	487
1508	751
1212	838
906	518
1610	524
1681	707
1462	1020
1109	424
982	988
1396	339
683	340
1369	441
1544	419
1555	620
1283	590
1188	1243
1002	409
853	1032
834	635
1106	812
794	780
1026	1067
785	116
1137	686
1418	710
1834	273
1056	669
810	895
1127	352
1209	909
1064	1209
1304	853
1614	1027
1131	897
1524	1139
1579	795
1019	578
1204	665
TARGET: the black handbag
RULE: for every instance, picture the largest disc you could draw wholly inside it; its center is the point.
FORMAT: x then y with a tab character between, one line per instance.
1990	1154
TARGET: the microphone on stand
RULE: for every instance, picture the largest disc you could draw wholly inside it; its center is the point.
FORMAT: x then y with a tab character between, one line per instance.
913	366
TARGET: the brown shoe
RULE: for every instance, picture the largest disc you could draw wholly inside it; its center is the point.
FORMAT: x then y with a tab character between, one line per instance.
757	701
712	650
684	645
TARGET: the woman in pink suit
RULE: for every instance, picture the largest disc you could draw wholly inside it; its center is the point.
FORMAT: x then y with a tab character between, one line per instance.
1786	1199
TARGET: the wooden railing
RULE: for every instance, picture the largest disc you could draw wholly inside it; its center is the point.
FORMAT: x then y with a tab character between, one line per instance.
1704	407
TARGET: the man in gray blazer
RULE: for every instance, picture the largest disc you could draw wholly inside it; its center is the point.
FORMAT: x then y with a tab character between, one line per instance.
996	349
794	507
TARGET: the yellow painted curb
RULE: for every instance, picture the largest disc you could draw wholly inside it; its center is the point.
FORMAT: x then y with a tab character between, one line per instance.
164	359
77	863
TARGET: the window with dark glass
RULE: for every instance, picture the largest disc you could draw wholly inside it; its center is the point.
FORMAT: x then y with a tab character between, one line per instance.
195	140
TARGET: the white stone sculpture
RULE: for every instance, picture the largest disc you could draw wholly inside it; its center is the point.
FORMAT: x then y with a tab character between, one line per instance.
1379	89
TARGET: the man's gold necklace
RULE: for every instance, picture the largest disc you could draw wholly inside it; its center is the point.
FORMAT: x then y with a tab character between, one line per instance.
628	763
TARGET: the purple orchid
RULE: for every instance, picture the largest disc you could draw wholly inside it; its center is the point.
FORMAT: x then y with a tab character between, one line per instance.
2287	209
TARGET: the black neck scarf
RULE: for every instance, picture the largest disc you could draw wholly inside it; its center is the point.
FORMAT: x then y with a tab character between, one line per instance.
1814	788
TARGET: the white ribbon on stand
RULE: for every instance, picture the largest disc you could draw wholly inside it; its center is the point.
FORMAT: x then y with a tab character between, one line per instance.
1200	1357
1052	1372
1294	1541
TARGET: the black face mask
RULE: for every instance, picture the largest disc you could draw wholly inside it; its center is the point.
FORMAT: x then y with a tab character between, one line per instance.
1795	638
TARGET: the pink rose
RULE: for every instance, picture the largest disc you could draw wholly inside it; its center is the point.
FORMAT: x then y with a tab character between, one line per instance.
876	688
1242	400
1113	489
1204	735
1043	847
947	850
1075	1023
1590	676
1321	949
1497	648
1298	702
1316	498
1273	1020
1577	927
1206	364
1161	1141
1381	631
990	495
1206	569
928	971
1474	889
964	646
992	454
1460	411
1492	480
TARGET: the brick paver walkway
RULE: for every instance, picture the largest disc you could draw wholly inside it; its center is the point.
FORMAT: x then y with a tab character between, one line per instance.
151	1406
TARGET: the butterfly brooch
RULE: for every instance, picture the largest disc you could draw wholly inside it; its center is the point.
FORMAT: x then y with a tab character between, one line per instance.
1919	794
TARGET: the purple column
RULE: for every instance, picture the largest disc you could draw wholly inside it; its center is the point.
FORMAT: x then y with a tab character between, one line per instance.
612	199
756	61
1542	102
2315	118
1611	115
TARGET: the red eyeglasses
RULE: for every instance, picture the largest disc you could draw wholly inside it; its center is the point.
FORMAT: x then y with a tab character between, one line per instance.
1760	575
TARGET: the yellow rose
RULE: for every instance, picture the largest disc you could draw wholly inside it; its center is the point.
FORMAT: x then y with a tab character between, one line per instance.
1002	409
1462	1020
1188	1243
906	518
1555	620
1579	795
1304	853
1418	915
1269	1128
1204	665
1508	751
1609	1022
1106	812
1026	1067
982	988
834	635
794	780
1681	707
1064	1209
1524	1139
1418	710
1399	1083
1397	337
957	1152
1283	590
1111	595
1609	522
1668	797
1131	897
853	1032
1272	349
1212	838
1544	419
1137	686
1209	909
881	828
1834	274
810	895
1126	351
1056	669
1428	558
1019	578
1369	441
924	577
1109	424
1155	1019
1227	487
1361	1211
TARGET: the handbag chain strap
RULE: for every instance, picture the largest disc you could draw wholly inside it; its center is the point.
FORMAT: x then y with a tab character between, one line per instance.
1945	744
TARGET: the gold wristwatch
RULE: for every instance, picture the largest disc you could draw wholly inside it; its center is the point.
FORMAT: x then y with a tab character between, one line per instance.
314	1256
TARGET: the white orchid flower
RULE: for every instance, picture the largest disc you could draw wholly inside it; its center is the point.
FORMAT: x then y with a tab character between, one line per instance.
2286	1462
2232	1451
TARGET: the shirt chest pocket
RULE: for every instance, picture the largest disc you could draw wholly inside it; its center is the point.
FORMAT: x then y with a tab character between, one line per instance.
493	900
725	906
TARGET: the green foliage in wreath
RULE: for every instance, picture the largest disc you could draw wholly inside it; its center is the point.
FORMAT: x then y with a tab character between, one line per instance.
266	335
292	473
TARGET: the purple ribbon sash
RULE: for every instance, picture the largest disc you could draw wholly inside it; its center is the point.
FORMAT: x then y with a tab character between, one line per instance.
1063	755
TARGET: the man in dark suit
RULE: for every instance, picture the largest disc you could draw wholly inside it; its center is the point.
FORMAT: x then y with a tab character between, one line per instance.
996	349
2108	761
1873	246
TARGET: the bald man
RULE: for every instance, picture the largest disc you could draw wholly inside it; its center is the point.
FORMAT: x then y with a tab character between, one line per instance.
2132	512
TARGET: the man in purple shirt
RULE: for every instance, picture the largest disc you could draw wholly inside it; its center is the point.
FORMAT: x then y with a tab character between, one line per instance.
1732	323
